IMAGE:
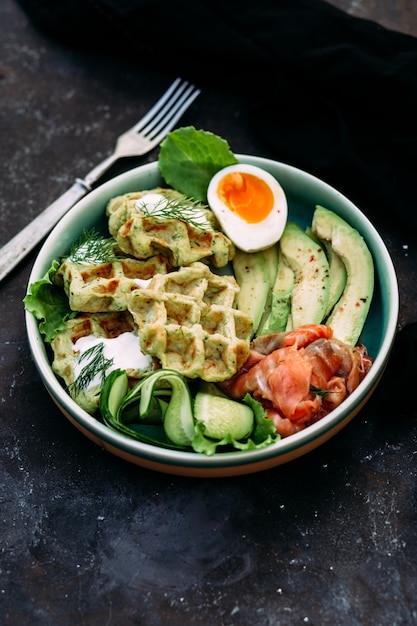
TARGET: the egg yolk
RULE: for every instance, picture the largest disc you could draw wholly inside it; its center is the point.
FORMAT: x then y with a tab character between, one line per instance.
246	195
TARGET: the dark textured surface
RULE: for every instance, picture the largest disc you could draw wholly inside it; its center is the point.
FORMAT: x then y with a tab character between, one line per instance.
86	538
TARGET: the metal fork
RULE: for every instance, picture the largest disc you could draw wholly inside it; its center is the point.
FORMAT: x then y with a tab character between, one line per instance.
137	141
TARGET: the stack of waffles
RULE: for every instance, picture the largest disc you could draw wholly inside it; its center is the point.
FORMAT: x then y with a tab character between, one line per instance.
188	321
160	289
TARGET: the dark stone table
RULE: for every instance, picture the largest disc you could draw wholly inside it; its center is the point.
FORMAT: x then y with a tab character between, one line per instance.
86	538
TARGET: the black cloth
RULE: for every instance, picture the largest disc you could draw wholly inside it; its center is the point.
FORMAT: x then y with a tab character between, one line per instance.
330	93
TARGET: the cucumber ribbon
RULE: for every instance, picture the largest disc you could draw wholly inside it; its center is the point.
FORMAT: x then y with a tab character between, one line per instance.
161	398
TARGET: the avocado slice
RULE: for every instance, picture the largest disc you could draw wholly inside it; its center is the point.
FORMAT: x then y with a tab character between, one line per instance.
271	255
338	276
337	271
280	309
349	314
308	261
252	274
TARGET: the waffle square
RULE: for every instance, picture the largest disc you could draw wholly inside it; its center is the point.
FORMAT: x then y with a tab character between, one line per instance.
181	242
186	319
105	287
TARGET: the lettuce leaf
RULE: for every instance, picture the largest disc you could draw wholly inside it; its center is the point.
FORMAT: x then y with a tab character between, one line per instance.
49	304
265	432
189	158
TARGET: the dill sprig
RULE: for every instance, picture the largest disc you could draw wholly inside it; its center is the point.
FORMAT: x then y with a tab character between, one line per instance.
178	209
97	365
92	249
318	391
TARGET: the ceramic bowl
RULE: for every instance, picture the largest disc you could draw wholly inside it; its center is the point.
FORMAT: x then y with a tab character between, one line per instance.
303	193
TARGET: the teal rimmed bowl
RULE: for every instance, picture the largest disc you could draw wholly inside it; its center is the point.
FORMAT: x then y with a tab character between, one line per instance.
303	192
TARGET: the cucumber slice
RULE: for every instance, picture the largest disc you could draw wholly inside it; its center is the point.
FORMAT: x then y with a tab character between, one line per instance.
223	417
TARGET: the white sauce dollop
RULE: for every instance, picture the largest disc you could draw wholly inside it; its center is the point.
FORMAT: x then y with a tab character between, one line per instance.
151	202
124	350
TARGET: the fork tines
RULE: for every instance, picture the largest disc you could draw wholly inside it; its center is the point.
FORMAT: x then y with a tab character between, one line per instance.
167	111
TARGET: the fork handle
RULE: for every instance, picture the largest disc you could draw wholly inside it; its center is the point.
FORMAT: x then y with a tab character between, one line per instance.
21	244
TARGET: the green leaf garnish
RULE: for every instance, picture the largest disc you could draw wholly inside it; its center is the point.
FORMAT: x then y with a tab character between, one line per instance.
48	304
92	249
189	158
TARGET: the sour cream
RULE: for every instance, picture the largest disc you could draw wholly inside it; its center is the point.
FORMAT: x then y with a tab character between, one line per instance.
152	202
124	351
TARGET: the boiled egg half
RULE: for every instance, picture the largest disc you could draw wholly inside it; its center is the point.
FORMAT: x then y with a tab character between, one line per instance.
250	206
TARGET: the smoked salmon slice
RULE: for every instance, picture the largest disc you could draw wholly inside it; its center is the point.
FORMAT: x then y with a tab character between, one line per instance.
299	376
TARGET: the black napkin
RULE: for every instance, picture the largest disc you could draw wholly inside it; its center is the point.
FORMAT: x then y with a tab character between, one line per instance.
330	93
